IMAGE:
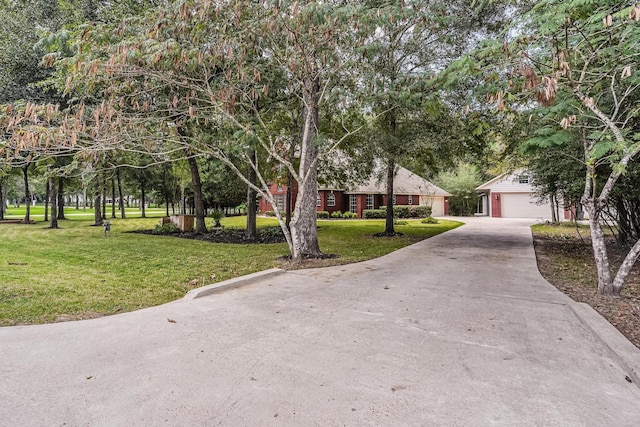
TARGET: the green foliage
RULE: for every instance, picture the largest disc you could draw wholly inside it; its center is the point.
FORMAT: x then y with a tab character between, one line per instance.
461	183
400	222
348	215
409	211
322	215
336	214
168	228
217	216
374	213
270	232
270	213
429	220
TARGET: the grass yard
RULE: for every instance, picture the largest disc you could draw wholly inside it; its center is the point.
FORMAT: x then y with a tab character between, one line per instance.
76	273
36	213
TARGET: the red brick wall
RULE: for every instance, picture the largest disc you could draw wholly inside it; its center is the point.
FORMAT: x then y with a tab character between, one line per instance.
401	199
324	197
264	205
342	201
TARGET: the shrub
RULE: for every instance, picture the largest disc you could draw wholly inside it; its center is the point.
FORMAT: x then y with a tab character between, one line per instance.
336	214
374	213
396	222
217	215
409	211
429	220
322	215
421	211
269	233
166	228
401	211
348	215
270	213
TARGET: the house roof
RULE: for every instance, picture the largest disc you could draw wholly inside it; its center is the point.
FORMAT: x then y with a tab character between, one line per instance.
405	182
487	185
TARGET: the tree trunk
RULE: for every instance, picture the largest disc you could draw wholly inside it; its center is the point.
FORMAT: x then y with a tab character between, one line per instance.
60	209
104	197
2	201
113	197
197	195
391	170
143	202
47	196
554	208
97	191
183	200
84	197
288	201
251	233
27	195
625	268
600	255
304	234
54	203
120	200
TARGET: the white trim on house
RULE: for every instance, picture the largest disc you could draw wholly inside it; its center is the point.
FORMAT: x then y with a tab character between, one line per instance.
513	195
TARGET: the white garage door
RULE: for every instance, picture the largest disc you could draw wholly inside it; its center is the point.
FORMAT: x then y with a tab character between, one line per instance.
522	205
436	203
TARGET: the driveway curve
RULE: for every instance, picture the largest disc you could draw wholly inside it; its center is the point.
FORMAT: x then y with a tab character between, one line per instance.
457	330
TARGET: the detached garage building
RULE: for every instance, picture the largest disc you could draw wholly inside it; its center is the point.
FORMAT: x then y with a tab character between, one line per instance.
512	196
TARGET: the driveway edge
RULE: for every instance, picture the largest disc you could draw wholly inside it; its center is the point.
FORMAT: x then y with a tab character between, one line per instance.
618	347
236	282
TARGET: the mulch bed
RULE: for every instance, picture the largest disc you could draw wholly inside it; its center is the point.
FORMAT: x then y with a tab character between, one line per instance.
229	235
568	264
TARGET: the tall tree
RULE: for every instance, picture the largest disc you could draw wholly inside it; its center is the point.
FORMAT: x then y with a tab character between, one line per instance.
53	194
218	73
410	43
580	61
198	201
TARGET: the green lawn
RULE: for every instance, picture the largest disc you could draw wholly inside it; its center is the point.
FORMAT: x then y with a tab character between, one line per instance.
36	213
73	273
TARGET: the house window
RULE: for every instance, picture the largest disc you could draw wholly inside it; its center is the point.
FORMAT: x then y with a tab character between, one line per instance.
280	201
331	199
523	179
393	200
369	201
318	200
279	187
410	200
353	203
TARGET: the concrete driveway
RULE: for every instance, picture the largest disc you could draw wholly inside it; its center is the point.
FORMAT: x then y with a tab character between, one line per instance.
458	330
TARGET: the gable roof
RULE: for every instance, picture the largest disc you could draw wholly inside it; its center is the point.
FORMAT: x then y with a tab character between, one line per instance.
489	184
405	182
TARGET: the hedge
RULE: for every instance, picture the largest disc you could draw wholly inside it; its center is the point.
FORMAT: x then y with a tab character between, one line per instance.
322	215
408	211
374	213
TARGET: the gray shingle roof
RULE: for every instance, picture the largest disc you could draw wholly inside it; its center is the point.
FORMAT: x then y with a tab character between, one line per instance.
405	182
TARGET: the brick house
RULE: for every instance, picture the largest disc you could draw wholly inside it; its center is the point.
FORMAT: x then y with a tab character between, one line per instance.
409	189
